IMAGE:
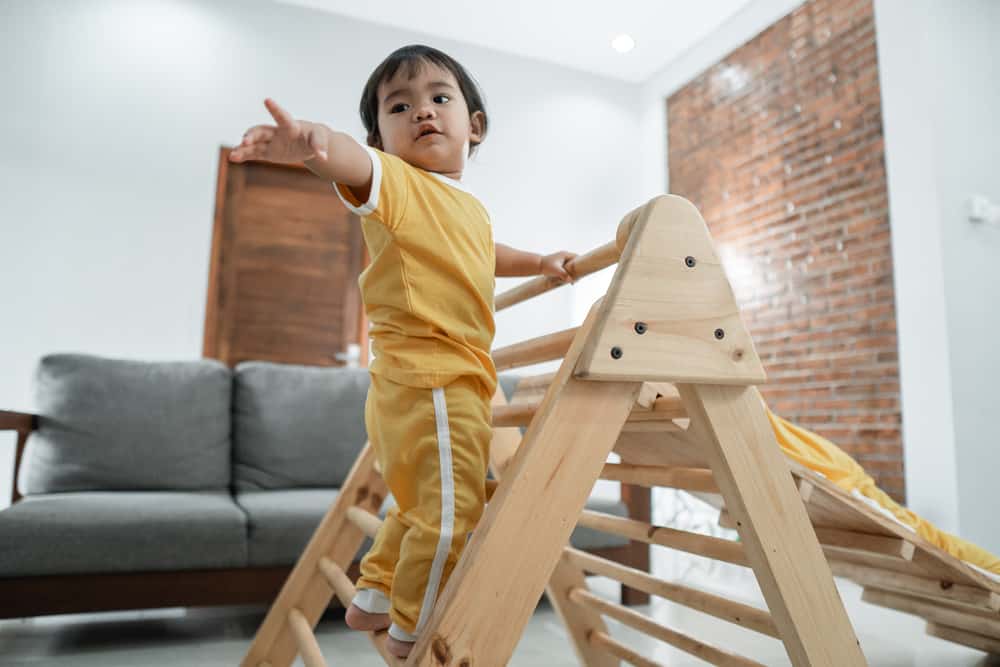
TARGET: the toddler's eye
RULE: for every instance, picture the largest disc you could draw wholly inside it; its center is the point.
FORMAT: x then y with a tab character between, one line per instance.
397	108
441	99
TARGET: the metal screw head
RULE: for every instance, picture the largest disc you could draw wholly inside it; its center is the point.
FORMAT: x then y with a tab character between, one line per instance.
720	334
616	352
640	328
690	261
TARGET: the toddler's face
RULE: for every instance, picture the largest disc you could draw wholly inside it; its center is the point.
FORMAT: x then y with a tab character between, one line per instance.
425	120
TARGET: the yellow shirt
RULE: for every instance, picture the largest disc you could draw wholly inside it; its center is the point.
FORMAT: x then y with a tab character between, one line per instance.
428	291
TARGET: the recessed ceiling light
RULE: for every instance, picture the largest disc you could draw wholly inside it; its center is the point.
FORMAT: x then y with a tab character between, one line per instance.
623	43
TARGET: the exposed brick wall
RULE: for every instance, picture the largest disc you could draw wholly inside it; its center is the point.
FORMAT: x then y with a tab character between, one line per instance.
780	146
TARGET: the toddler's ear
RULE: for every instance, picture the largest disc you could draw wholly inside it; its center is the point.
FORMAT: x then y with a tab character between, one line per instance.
476	127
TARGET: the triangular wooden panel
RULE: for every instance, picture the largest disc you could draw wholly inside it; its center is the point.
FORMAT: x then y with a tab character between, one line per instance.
669	313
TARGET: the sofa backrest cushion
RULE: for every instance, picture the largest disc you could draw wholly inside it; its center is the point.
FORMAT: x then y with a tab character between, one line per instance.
296	426
108	424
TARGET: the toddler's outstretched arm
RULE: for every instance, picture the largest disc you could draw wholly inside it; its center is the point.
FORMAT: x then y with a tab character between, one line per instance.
333	156
514	262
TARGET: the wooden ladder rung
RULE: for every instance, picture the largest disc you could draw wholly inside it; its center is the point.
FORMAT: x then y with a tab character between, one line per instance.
728	610
367	522
686	479
646	625
583	265
338	580
876	544
659	417
604	641
694	543
344	590
306	640
534	350
837	541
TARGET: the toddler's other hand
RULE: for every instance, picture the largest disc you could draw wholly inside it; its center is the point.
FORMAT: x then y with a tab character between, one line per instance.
554	266
290	141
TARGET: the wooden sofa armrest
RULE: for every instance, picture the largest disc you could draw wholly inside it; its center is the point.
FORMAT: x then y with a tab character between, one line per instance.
24	424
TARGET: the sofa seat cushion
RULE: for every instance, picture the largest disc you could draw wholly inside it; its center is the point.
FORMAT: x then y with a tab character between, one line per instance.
109	424
281	523
296	426
107	532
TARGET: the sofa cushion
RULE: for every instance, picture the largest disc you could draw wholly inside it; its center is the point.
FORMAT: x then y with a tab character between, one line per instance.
281	523
108	424
296	426
121	531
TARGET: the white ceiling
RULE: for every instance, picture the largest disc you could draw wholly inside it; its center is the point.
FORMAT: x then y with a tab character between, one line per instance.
572	33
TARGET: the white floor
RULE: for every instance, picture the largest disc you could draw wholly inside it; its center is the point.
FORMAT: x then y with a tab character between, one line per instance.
217	637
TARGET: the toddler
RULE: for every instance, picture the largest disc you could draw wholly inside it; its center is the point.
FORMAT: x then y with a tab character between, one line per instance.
428	294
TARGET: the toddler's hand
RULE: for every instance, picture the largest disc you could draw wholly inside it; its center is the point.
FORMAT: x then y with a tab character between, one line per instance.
291	141
554	266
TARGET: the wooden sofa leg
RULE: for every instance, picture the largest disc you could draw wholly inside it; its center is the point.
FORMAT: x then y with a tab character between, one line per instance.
638	500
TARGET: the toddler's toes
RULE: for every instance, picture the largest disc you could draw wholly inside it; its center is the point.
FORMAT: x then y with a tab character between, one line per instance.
398	648
359	619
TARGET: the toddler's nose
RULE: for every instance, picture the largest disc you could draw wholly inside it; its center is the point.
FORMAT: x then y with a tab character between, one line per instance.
424	113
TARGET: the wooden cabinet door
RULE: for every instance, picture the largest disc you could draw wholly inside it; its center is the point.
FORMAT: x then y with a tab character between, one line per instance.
283	281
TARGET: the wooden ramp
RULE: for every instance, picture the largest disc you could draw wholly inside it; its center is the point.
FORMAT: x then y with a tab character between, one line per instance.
662	372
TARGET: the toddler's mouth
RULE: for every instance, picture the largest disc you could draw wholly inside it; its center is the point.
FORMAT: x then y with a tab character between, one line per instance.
428	130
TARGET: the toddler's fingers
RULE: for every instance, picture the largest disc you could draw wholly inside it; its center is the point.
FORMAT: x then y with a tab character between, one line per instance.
257	134
282	117
253	151
566	269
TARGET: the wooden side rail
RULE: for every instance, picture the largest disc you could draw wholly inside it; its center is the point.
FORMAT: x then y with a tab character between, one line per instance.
578	267
979	622
922	587
24	424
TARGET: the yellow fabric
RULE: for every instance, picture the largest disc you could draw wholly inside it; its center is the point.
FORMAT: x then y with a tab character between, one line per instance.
819	454
428	291
404	427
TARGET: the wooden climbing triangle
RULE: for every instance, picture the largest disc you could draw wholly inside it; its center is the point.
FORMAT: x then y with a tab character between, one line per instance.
663	372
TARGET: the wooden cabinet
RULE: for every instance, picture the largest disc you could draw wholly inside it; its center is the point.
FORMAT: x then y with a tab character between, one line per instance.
285	260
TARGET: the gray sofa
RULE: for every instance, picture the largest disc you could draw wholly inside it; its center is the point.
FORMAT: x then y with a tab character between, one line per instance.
143	484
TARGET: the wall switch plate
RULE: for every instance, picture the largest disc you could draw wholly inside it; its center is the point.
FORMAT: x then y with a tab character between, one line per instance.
981	209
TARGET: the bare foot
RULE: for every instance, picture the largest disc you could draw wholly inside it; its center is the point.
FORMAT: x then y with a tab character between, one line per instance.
398	648
359	619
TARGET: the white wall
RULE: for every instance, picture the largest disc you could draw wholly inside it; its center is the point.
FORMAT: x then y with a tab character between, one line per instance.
939	68
960	86
968	133
113	114
904	35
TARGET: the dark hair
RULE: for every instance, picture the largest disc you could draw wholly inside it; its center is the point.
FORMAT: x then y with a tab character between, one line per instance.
410	59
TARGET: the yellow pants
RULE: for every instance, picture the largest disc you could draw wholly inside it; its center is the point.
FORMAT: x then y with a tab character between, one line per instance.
433	448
